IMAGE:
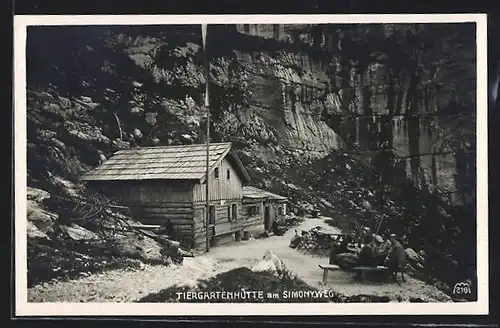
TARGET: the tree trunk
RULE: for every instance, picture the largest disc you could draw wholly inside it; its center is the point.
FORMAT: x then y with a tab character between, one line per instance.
119	125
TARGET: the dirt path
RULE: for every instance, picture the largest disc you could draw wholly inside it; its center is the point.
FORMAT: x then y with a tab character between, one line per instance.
306	267
130	285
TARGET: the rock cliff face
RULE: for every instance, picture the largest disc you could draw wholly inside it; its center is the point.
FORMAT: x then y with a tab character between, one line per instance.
380	84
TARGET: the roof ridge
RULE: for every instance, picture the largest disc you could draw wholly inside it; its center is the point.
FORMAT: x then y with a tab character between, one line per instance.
179	146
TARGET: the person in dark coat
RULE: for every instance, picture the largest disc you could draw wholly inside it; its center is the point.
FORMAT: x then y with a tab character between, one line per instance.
296	239
397	259
366	255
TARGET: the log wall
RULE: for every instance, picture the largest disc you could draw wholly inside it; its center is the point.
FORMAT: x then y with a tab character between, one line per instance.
253	223
156	202
179	214
224	224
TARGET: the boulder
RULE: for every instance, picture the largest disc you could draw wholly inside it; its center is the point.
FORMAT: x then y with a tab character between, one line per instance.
136	110
366	204
142	247
136	84
37	195
67	187
34	233
271	263
85	132
79	233
40	218
137	133
120	144
413	256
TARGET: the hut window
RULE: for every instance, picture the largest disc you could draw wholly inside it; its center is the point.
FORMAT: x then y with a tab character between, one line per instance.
254	210
280	210
234	210
216	173
229	213
228	174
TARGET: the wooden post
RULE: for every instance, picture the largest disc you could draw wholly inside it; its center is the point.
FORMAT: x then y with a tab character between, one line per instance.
207	107
208	228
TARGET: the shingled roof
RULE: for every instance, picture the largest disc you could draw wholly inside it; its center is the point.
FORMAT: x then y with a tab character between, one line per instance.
185	162
256	193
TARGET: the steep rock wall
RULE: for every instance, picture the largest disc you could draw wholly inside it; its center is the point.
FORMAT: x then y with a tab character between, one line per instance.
366	101
286	91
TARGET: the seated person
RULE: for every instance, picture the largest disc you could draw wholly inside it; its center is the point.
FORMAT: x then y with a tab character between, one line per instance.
275	228
370	254
295	240
339	249
378	252
386	246
367	253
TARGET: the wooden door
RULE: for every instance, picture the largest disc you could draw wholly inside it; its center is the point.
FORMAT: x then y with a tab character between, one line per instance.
267	218
211	223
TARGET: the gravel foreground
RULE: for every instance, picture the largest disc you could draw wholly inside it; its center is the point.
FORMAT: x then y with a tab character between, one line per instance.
242	285
132	285
126	285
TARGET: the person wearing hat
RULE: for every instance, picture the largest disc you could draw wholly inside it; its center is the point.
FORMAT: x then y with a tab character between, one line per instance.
378	254
394	242
396	259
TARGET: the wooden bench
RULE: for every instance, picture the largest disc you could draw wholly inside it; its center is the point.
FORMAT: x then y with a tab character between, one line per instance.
326	268
364	269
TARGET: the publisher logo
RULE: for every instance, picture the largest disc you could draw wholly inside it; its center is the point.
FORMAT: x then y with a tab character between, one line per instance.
462	288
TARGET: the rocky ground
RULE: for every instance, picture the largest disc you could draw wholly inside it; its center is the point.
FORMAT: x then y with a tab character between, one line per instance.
129	285
64	249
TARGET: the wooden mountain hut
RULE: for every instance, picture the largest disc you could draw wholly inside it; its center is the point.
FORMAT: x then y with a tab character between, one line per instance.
167	184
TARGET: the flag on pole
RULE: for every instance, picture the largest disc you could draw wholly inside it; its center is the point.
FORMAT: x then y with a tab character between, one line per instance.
204	37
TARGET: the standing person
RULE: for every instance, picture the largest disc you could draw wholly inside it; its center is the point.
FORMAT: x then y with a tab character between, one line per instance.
396	259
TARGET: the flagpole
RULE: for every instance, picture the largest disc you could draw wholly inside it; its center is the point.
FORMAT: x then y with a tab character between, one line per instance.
207	107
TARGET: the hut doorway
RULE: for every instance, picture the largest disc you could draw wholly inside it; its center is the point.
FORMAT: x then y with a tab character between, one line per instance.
267	218
211	224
